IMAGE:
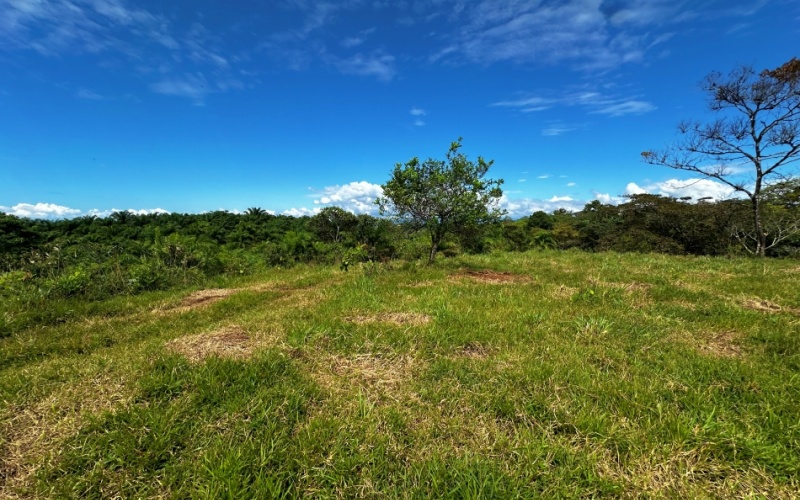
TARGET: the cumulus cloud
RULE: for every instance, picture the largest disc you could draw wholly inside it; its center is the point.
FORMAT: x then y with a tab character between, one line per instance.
301	212
522	207
41	211
695	188
53	211
356	197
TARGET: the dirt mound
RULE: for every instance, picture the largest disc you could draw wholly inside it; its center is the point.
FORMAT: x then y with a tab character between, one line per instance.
396	318
494	277
232	342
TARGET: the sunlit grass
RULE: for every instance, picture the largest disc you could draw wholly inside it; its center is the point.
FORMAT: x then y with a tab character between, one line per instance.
555	374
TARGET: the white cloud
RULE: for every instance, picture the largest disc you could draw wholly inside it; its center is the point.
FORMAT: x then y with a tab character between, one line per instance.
593	102
607	199
377	64
523	180
356	197
589	34
301	212
119	31
521	207
623	108
53	211
556	130
695	188
41	211
193	87
545	176
571	184
419	123
415	111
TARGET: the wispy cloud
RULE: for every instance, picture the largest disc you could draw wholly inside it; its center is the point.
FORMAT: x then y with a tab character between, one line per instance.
592	101
590	34
377	64
545	176
118	30
556	130
415	111
90	95
419	123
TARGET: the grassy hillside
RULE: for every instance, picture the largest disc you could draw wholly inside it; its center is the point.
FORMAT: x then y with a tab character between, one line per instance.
510	375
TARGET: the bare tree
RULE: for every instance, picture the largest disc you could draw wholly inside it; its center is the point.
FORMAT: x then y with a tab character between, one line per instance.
756	131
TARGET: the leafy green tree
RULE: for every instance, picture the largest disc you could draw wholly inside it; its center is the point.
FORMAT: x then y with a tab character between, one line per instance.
442	196
331	224
757	124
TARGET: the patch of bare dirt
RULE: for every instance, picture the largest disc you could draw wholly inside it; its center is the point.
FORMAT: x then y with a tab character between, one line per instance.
395	318
232	342
722	345
201	298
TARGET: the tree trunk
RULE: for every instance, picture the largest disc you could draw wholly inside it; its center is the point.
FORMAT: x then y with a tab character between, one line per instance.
761	236
434	248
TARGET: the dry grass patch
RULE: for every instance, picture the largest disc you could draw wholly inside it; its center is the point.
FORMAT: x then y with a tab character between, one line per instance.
564	292
492	277
395	318
722	345
691	474
201	298
33	433
380	377
767	306
231	342
474	350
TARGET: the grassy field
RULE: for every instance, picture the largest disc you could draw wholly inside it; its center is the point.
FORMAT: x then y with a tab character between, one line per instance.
515	375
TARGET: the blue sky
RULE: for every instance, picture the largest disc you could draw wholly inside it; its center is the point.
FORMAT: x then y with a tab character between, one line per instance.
293	105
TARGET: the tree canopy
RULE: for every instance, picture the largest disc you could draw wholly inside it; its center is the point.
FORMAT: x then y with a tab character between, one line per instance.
756	130
442	196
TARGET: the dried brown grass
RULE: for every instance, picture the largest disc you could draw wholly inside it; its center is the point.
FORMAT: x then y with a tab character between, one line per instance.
34	432
722	345
231	342
395	318
764	306
199	299
492	277
690	474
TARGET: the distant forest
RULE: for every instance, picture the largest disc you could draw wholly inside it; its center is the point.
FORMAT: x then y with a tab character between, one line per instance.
95	258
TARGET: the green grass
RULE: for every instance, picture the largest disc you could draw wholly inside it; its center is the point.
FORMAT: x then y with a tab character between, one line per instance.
573	375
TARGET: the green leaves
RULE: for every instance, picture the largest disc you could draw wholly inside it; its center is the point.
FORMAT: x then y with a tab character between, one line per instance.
442	197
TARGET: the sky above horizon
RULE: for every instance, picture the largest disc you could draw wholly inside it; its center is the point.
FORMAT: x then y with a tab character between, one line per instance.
294	105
